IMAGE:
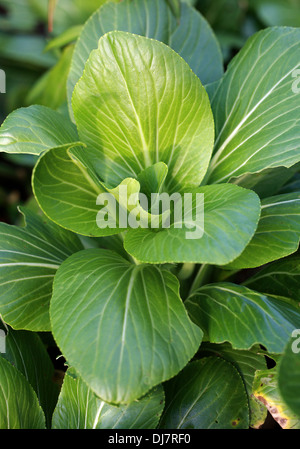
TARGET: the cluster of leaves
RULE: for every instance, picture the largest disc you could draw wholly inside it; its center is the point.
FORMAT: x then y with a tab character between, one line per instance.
35	74
156	329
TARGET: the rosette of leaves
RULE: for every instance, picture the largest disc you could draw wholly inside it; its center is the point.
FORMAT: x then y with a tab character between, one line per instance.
142	119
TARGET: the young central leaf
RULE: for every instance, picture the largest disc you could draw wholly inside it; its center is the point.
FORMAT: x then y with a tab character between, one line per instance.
139	103
130	326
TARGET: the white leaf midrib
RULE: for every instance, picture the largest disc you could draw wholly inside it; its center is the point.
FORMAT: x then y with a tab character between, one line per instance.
249	114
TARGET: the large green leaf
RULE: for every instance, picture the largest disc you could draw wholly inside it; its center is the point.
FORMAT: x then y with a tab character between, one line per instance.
289	374
79	408
131	329
255	107
143	106
293	185
247	363
29	258
19	407
278	278
35	129
230	217
67	192
277	234
243	317
191	36
26	352
265	389
208	394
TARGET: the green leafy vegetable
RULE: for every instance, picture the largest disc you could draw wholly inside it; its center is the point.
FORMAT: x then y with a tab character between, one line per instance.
29	259
19	405
156	271
79	408
190	398
254	107
26	352
35	129
266	390
243	317
190	36
131	327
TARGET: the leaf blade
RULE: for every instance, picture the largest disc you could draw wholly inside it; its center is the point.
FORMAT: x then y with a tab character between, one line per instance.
243	317
264	94
277	234
26	352
191	36
79	408
131	335
29	258
35	129
18	402
129	118
191	397
229	220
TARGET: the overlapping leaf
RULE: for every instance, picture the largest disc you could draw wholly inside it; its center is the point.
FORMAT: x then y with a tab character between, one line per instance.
278	278
131	329
191	397
289	374
266	390
247	363
220	234
25	351
67	192
79	408
29	258
243	317
268	182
